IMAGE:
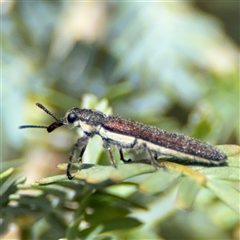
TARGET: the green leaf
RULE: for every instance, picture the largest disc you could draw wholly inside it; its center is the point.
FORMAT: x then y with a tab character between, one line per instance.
224	173
56	222
226	193
187	171
230	150
7	190
50	180
5	175
102	175
233	154
72	229
56	190
159	181
121	223
187	192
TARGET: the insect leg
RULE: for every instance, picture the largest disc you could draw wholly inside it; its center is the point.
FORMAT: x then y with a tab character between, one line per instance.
153	158
111	157
81	142
81	153
106	146
122	157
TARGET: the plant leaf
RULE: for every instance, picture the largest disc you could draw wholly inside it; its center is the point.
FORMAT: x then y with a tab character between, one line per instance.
187	192
226	193
159	181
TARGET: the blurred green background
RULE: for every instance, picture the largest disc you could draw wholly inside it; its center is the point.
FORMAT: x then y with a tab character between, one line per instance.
174	65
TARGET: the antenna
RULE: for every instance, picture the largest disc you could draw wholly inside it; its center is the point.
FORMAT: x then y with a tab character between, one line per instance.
50	128
31	126
46	111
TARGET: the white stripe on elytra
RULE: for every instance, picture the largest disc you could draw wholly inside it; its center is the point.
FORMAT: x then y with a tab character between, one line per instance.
123	140
171	152
128	141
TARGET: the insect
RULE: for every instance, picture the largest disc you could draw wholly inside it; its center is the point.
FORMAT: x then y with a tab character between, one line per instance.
126	133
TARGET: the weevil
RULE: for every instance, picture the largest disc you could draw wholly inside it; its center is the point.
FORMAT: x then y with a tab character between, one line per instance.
128	134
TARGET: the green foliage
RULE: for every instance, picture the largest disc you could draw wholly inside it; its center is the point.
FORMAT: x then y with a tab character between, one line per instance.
101	200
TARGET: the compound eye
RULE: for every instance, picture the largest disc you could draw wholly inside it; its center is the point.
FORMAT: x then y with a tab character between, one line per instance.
71	117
